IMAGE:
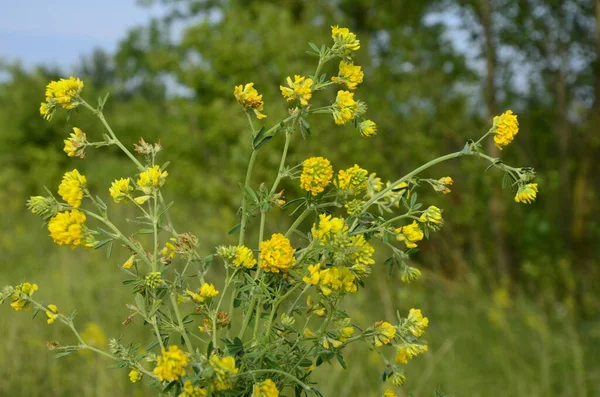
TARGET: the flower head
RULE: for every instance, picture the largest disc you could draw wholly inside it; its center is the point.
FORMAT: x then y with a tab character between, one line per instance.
345	107
441	185
189	390
389	393
153	279
384	333
135	375
224	369
432	216
51	313
527	193
316	175
248	97
205	292
353	179
367	128
407	351
63	93
120	189
300	88
337	278
76	143
416	323
410	234
171	365
20	294
244	257
276	254
327	227
71	188
152	179
349	74
505	128
344	41
266	388
67	228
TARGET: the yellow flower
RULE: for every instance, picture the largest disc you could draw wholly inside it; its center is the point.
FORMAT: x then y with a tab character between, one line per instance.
527	193
300	88
409	350
152	179
336	279
432	215
410	274
389	393
244	257
398	379
248	97
71	188
441	185
171	365
189	390
51	313
416	322
316	175
505	128
135	375
410	234
367	128
63	93
313	275
265	388
129	262
17	301
276	254
353	179
344	40
349	74
384	333
205	292
67	228
374	185
76	143
120	189
327	227
345	107
153	279
224	369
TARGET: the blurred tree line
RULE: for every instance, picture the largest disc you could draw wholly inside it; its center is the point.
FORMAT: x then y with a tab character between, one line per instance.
436	72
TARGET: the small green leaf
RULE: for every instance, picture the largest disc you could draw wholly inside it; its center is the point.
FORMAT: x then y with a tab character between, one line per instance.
234	229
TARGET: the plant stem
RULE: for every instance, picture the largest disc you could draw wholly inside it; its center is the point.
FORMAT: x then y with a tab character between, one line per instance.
306	212
244	199
182	329
281	163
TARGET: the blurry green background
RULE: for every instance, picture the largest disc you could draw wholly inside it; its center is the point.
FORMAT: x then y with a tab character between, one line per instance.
511	290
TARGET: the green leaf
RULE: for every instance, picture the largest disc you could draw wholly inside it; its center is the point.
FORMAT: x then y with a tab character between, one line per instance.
102	243
64	354
234	229
314	47
249	191
140	303
109	249
293	201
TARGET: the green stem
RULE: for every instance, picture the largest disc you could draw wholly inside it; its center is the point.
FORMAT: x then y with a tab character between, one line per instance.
244	198
227	283
306	212
182	329
281	163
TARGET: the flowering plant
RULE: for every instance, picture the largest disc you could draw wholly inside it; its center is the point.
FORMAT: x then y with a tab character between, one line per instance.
277	315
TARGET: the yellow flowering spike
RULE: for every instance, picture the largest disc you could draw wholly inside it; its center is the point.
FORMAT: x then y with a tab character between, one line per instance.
327	227
336	279
505	128
384	333
135	375
410	274
67	228
345	107
367	128
248	97
152	179
129	262
410	234
266	388
244	257
345	42
208	291
300	88
276	254
189	390
313	275
349	74
416	322
153	280
407	351
432	215
76	143
353	179
317	173
527	193
224	370
20	294
71	188
171	365
120	189
63	93
51	313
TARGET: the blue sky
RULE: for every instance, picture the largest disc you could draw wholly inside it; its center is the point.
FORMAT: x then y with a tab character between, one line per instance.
59	32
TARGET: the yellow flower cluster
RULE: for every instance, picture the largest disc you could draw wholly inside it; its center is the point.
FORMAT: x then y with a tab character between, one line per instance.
171	365
344	40
361	255
410	234
189	390
441	185
266	388
67	228
205	292
244	257
76	143
407	351
337	278
17	301
153	279
349	74
51	313
505	128
527	193
224	369
63	93
276	254
353	179
135	376
152	179
71	188
432	215
367	128
345	107
120	189
300	88
248	97
327	227
389	393
416	323
384	333
316	175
